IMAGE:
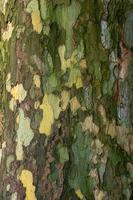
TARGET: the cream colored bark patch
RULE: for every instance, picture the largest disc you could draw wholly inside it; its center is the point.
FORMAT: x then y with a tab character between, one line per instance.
3	146
112	129
65	98
18	92
74	104
8	82
99	194
8	32
88	124
24	134
3	6
48	117
36	104
98	146
14	196
26	178
12	104
102	112
36	80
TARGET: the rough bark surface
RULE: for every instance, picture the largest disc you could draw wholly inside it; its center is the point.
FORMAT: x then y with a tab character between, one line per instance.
66	106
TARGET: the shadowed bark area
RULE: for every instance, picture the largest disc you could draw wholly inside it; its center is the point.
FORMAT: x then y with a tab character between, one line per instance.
66	103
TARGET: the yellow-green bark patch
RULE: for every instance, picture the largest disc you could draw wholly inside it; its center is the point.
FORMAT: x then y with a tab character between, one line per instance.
48	117
36	21
79	194
55	103
33	9
26	178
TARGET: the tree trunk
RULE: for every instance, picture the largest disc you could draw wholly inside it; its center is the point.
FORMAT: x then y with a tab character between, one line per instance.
66	100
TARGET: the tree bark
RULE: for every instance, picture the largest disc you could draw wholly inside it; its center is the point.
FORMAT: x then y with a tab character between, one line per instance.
66	100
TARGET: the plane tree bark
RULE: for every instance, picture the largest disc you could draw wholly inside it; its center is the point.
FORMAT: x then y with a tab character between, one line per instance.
66	100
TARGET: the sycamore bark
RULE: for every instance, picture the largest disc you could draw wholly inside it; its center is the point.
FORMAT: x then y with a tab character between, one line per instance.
66	100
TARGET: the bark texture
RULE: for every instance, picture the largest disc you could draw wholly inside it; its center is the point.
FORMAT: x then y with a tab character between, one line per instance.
66	106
